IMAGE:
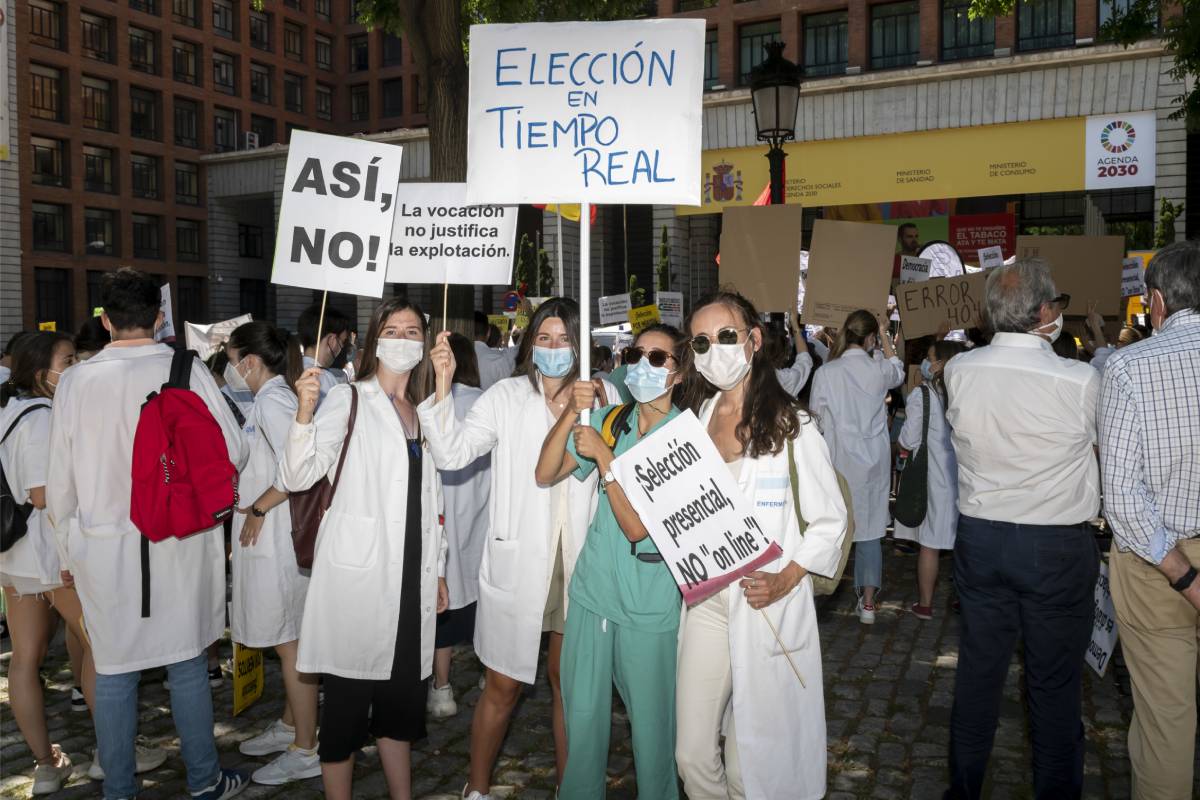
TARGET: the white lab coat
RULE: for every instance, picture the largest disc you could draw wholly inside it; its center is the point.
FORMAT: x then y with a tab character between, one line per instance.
941	519
779	724
466	491
793	378
848	398
352	613
268	586
96	410
24	454
511	421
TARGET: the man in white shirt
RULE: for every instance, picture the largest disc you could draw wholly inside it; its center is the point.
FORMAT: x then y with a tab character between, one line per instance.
1025	559
494	365
334	350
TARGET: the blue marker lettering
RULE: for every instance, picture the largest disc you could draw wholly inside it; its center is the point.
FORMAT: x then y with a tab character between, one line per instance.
501	67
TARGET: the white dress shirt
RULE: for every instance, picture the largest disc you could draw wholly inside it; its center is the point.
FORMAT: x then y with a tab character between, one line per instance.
1023	424
793	378
494	365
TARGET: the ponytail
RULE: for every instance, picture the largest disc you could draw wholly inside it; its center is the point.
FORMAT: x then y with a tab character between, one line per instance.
272	345
858	326
295	361
945	350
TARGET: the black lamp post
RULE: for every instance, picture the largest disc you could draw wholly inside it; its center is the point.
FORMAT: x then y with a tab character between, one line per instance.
775	90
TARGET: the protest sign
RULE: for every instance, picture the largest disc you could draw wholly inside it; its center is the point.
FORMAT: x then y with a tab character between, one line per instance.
1132	283
167	331
970	233
607	112
335	220
990	257
1104	625
914	269
207	339
849	267
925	306
1086	267
52	325
694	510
760	254
438	238
501	321
642	317
614	308
670	307
248	675
97	311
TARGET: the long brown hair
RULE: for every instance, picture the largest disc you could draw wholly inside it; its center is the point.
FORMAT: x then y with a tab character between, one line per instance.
858	326
420	382
31	358
567	310
945	349
770	416
679	349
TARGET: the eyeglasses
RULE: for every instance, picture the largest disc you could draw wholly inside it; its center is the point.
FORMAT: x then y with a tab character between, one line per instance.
1062	300
701	343
657	358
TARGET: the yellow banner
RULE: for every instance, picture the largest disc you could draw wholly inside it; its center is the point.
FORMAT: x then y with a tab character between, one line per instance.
248	676
1015	158
642	317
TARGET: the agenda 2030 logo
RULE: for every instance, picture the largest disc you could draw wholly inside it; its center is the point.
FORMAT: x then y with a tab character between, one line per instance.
1117	138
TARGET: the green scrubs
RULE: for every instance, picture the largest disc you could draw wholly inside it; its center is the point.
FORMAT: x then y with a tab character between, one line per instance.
622	627
617	379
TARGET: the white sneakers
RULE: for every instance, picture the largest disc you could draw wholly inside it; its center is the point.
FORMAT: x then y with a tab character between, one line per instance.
144	760
275	739
293	764
49	778
866	613
474	795
441	702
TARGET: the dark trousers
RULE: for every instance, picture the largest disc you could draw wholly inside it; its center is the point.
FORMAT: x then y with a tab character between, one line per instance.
1036	582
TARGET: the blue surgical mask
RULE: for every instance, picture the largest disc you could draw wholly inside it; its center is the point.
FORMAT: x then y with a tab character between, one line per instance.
646	383
553	362
926	369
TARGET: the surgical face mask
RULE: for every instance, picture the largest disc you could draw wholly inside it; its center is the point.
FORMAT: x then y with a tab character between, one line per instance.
234	379
553	362
724	365
646	383
926	369
1051	334
399	355
49	372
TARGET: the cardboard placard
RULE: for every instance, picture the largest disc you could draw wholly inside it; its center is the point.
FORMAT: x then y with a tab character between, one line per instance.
1086	267
849	267
1104	626
670	307
925	306
1132	281
913	269
501	321
614	308
207	339
760	254
990	257
248	677
642	317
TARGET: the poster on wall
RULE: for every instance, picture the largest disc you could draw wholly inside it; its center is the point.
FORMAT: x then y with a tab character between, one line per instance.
970	233
1120	150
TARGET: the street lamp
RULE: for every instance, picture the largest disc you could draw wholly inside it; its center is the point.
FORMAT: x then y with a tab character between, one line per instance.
775	90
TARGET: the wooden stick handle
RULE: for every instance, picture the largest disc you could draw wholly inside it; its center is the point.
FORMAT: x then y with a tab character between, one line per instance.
786	654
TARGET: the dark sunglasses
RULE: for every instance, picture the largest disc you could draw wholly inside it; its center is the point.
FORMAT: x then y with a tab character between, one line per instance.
701	343
657	358
1063	300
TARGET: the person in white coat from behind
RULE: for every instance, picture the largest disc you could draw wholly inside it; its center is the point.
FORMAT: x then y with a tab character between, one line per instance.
729	658
377	579
936	532
535	532
847	397
268	586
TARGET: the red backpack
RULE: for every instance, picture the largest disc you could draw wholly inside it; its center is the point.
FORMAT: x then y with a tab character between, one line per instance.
183	481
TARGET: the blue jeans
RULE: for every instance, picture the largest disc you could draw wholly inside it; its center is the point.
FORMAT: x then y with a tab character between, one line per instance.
116	726
868	564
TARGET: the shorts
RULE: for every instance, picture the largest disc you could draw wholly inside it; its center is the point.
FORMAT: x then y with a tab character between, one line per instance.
27	586
455	626
554	616
391	709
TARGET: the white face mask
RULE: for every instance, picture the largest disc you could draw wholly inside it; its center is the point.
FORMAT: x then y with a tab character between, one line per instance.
724	365
234	379
1054	332
399	355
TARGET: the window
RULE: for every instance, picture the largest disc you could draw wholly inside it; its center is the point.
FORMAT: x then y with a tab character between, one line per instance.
260	30
146	234
293	41
49	227
360	103
187	183
895	35
1108	7
143	113
52	289
96	37
353	19
360	56
752	41
712	67
324	101
322	7
147	6
224	73
187	122
323	47
293	92
250	241
100	231
187	240
185	61
264	127
296	4
144	176
393	97
826	44
963	37
252	297
49	162
224	18
143	50
46	23
393	50
225	127
696	5
184	11
98	170
1045	23
97	103
260	83
45	93
190	297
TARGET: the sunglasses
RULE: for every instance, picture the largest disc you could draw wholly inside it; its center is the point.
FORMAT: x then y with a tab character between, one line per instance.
701	343
657	358
1063	300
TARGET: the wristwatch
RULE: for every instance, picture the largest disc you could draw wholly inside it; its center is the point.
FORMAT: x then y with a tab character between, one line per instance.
256	511
608	478
1185	580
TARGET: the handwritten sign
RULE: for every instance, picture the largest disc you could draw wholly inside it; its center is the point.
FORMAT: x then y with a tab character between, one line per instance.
1104	626
607	112
990	257
642	317
670	307
694	510
925	306
614	308
913	269
1132	283
849	267
335	221
248	677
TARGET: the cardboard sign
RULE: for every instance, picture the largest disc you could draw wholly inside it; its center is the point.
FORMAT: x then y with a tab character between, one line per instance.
913	269
694	510
990	257
1086	267
971	233
501	321
1104	626
207	339
167	331
670	307
248	677
614	308
52	325
760	254
849	267
642	317
925	306
608	112
438	238
1120	150
1132	283
335	220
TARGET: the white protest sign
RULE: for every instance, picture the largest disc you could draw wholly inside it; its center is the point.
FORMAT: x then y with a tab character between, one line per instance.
206	339
614	308
438	238
694	510
167	331
607	112
335	220
1104	626
670	307
991	257
913	269
1131	278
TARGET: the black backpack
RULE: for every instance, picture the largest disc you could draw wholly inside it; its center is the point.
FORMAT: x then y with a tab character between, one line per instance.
14	516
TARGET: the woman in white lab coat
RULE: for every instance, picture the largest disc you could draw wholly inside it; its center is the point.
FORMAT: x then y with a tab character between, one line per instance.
848	398
535	532
268	586
729	658
936	532
380	555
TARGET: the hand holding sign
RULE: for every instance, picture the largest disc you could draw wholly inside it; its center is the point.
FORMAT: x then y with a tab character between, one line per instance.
308	392
442	358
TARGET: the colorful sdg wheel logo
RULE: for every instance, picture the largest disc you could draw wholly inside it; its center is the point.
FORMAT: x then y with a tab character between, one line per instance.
1118	136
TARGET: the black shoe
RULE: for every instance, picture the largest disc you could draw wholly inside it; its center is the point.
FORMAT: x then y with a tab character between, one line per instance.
215	677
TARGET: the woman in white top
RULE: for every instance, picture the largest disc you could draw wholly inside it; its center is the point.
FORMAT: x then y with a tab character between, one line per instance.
936	532
730	659
848	398
377	580
268	586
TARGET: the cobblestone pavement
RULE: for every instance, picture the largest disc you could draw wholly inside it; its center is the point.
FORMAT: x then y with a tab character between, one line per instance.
888	691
